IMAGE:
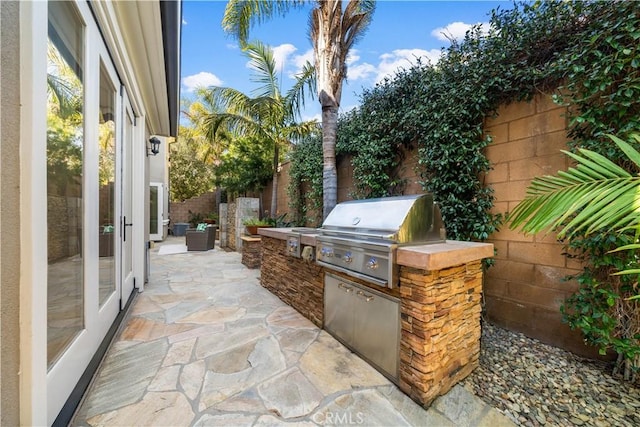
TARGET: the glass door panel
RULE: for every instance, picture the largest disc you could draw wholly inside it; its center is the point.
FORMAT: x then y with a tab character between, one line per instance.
153	218
65	159
155	211
107	177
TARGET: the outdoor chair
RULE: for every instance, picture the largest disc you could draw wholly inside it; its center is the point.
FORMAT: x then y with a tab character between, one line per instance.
201	239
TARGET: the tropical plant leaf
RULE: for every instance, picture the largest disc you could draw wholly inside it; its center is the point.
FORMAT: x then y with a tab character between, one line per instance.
593	195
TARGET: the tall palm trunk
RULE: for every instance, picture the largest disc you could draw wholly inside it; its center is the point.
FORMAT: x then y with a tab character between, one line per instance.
333	31
274	185
329	170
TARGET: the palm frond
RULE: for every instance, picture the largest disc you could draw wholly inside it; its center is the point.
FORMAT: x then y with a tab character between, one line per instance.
241	15
263	65
595	194
304	86
357	17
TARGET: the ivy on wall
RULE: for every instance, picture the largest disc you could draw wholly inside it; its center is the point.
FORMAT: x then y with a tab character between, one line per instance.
586	53
440	109
306	171
602	88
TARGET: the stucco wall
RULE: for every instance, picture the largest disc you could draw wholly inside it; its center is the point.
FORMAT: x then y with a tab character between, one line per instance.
9	213
524	290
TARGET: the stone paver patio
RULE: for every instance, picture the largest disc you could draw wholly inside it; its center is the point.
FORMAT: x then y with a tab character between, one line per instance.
206	345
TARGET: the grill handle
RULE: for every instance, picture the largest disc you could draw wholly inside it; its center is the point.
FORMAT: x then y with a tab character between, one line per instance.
352	273
357	234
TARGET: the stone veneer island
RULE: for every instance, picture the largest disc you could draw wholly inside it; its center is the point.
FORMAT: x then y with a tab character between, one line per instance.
440	295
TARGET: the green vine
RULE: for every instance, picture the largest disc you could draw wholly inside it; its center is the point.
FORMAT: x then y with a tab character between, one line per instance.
584	53
602	87
306	172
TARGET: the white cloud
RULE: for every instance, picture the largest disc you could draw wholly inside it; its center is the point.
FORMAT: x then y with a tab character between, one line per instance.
352	56
202	79
309	117
456	30
300	60
281	54
361	71
390	63
184	21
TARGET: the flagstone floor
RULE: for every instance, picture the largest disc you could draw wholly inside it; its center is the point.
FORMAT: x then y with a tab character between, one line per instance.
206	345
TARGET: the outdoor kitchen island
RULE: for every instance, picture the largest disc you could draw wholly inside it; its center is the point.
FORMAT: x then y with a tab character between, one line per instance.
438	298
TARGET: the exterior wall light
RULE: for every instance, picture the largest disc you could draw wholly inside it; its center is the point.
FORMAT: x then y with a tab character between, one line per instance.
154	146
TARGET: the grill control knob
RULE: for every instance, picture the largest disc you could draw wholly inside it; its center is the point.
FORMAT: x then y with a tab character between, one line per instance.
326	252
372	264
348	257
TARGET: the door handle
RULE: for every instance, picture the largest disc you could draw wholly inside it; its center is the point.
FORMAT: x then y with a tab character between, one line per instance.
366	297
344	287
124	228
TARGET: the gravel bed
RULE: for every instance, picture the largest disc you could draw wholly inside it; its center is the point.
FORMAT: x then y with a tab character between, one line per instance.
535	384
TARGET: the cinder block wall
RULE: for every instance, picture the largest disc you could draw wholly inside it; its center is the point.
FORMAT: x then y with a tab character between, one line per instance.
524	290
407	171
204	204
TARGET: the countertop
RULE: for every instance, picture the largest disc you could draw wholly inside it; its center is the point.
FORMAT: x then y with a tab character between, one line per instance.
432	256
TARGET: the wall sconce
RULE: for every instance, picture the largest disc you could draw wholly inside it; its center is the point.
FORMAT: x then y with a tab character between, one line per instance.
154	146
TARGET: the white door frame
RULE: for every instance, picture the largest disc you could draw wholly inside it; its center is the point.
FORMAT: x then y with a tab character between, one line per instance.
42	393
126	197
63	376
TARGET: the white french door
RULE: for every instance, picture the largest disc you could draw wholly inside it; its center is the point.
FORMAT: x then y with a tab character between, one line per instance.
126	201
85	134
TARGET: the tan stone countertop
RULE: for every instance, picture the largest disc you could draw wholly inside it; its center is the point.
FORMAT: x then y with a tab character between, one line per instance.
247	238
437	256
306	238
433	256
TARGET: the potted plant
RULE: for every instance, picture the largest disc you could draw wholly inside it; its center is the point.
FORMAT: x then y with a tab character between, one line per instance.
252	224
195	218
211	218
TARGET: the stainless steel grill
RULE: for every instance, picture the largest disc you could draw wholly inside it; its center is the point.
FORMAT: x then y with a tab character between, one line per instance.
360	237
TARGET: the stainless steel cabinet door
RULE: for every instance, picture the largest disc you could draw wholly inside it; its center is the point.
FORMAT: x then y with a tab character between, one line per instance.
338	311
377	329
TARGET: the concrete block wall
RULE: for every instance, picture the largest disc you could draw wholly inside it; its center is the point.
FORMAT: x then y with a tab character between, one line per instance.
407	170
282	200
203	204
525	288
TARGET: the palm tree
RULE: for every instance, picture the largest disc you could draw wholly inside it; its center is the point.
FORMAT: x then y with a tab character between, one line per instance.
333	31
270	116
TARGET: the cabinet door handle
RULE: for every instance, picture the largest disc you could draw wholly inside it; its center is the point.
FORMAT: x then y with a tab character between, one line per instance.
345	288
366	297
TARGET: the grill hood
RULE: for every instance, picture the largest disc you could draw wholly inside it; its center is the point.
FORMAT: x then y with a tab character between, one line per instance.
402	219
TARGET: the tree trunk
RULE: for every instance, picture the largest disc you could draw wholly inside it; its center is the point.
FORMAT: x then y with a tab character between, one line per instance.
274	185
329	172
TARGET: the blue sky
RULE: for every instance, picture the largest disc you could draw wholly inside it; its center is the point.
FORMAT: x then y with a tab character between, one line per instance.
400	32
